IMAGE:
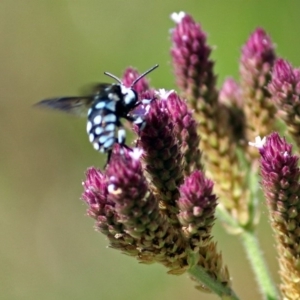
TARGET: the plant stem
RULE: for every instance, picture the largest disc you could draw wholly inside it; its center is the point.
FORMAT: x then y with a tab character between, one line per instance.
226	218
258	264
215	286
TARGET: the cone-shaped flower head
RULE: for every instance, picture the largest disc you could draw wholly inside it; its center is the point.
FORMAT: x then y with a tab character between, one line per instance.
190	54
195	77
259	48
280	183
197	205
162	156
102	209
185	128
135	201
285	90
134	222
256	62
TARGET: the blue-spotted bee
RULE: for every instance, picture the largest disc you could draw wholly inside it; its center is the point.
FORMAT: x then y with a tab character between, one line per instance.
106	105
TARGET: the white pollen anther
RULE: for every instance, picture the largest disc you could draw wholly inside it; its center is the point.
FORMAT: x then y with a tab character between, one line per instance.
113	190
259	142
177	17
164	94
136	153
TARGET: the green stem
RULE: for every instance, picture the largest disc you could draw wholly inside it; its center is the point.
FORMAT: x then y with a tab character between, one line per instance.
258	264
255	256
251	244
226	218
215	286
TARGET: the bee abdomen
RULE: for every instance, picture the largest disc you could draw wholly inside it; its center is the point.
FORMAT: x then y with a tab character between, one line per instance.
101	126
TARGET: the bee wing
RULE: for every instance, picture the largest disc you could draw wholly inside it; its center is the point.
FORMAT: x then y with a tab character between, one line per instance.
94	88
73	105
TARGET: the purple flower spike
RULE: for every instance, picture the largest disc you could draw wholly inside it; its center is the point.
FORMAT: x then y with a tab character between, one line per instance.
256	63
130	75
127	188
280	183
285	90
276	156
197	205
95	192
103	211
195	77
162	156
186	129
259	48
192	67
283	76
154	202
125	175
138	211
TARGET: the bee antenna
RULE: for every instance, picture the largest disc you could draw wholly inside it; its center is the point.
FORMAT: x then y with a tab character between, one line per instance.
113	76
144	74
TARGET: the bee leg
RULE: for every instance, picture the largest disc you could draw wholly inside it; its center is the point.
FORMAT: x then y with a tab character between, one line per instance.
138	120
121	135
135	119
122	138
144	102
127	147
109	152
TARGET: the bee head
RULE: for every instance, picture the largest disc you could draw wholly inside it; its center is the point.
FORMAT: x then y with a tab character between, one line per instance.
130	96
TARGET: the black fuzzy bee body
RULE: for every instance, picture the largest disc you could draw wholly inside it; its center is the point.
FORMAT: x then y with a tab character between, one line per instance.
104	127
106	106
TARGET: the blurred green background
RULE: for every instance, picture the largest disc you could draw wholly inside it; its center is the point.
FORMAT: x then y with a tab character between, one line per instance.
49	249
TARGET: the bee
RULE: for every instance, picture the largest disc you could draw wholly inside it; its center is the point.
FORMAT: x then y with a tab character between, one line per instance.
104	108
